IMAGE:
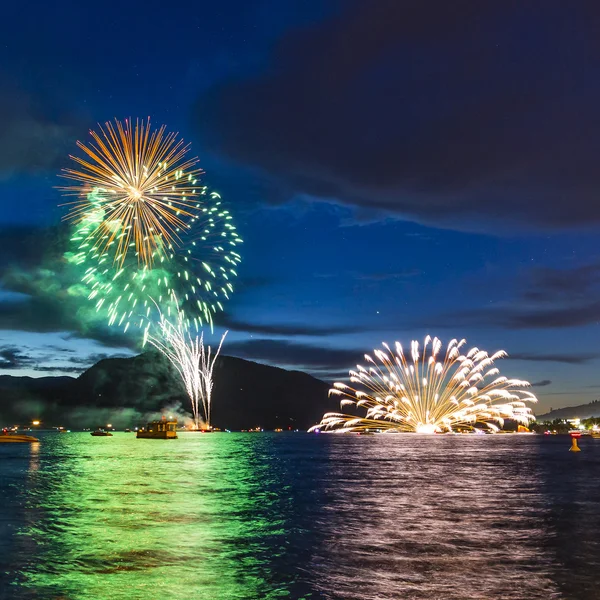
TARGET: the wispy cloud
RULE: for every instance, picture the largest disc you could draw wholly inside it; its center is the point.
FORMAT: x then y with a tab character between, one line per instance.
427	162
542	383
300	356
570	359
550	299
285	329
12	357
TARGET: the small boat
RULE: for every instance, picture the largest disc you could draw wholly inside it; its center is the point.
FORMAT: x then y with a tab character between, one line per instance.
127	430
14	437
101	433
159	430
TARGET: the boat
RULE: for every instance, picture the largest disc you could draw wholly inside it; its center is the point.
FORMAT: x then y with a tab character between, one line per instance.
595	434
101	433
159	430
15	437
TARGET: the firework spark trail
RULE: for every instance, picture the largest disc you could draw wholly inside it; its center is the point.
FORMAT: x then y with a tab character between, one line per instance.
207	364
193	360
200	271
145	188
425	394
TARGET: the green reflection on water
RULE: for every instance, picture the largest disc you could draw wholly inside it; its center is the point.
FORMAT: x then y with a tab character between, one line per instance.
198	517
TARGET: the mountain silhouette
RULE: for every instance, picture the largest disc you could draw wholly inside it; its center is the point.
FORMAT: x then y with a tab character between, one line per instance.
582	411
128	391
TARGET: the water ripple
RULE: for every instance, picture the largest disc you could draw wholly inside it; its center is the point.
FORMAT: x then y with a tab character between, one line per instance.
271	516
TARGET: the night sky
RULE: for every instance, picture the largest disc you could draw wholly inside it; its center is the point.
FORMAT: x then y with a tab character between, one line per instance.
396	169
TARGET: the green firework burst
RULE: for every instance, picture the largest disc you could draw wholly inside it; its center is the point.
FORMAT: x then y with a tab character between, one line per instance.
199	272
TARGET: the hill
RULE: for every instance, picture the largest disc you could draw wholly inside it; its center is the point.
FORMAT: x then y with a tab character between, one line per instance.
128	391
582	411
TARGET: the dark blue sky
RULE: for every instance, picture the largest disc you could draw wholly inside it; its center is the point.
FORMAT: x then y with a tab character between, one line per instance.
396	169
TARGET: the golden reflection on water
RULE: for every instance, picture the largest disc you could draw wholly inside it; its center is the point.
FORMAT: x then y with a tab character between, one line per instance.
34	457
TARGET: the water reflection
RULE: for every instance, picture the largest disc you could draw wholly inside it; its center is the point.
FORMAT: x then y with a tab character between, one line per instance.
494	517
122	517
571	490
34	458
296	516
16	462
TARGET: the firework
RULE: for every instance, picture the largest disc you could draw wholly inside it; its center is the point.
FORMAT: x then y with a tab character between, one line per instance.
139	187
428	392
200	272
193	360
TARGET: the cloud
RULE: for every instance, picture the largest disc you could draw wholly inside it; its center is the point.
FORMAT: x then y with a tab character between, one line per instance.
44	312
547	284
29	246
12	357
34	138
570	359
300	356
59	369
76	364
60	349
285	329
44	293
551	298
442	113
533	318
542	383
92	359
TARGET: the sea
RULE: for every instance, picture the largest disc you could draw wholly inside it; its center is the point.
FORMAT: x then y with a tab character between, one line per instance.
249	516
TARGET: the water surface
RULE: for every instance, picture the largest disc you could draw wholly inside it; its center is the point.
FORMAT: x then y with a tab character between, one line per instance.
292	515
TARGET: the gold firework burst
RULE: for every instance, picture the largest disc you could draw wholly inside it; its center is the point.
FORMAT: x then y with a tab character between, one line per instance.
138	184
425	393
